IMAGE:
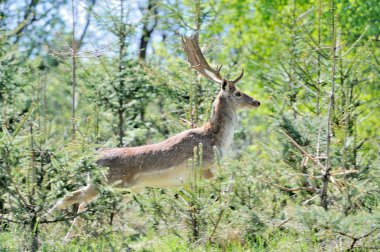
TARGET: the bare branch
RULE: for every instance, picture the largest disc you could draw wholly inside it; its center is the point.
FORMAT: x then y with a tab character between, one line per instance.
315	161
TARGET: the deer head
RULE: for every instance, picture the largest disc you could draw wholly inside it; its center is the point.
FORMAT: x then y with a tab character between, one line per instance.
228	90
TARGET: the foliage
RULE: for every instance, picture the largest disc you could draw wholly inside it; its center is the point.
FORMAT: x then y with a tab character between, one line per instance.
304	166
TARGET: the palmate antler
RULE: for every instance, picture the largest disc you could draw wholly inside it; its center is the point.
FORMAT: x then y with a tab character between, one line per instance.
198	62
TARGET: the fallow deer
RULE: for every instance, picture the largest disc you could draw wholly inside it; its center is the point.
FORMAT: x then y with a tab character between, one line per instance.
165	164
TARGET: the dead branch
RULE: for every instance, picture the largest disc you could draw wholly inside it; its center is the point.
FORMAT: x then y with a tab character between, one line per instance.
304	151
287	189
284	222
353	238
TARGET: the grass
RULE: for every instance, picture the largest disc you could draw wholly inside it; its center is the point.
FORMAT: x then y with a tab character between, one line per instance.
276	240
280	239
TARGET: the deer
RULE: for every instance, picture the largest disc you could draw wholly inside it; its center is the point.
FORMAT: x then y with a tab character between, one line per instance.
165	164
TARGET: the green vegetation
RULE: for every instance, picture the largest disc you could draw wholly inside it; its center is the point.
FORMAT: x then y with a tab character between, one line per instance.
82	74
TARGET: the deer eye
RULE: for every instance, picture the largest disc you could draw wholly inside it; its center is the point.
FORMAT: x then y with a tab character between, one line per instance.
237	94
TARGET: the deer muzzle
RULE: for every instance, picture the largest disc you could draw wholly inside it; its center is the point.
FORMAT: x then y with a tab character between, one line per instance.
255	103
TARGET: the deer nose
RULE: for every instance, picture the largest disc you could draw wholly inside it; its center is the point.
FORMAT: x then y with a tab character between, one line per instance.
258	103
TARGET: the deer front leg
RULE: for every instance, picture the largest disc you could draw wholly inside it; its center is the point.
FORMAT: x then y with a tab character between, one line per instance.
208	174
230	186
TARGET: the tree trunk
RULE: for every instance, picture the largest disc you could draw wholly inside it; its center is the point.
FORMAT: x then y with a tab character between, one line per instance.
74	48
147	29
326	173
121	127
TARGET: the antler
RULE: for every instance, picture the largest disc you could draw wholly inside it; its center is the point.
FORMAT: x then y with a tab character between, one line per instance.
198	61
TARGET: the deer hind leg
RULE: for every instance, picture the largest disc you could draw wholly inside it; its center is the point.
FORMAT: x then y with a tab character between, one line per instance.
75	225
85	194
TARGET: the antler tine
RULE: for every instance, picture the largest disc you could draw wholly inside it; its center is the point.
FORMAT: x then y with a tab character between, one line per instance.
197	60
238	78
218	68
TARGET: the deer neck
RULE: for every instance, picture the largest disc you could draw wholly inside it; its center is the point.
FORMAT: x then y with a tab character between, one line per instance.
223	123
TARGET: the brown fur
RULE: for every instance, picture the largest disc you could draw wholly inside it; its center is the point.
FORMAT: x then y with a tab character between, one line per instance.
128	162
125	163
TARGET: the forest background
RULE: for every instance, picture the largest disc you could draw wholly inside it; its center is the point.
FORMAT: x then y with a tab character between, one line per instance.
82	74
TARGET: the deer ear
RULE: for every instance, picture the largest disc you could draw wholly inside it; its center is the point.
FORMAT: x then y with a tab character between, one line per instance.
225	86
